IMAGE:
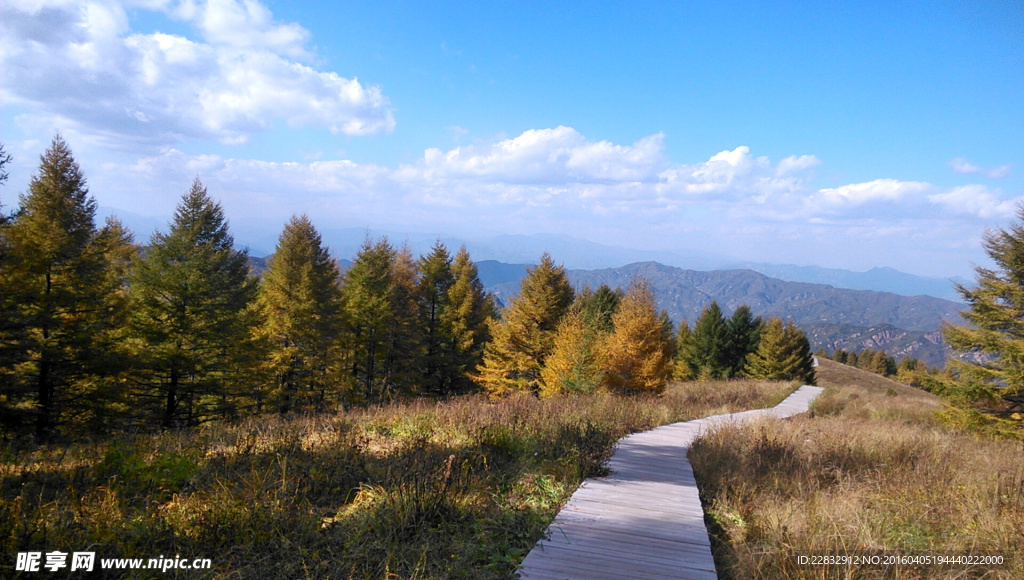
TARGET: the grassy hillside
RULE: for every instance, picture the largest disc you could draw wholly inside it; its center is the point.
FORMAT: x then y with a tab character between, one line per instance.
461	489
872	470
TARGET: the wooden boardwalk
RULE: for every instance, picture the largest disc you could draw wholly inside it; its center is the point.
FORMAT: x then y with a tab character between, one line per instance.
645	519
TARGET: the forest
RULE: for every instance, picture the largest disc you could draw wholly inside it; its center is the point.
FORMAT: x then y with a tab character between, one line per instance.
101	333
394	421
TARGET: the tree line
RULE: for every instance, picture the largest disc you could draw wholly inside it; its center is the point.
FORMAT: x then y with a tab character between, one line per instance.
551	340
99	332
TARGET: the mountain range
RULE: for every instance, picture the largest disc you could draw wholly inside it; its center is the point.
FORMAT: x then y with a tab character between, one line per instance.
903	326
260	237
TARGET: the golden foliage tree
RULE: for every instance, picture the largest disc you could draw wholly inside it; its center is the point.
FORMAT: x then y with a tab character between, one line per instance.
524	336
573	365
638	355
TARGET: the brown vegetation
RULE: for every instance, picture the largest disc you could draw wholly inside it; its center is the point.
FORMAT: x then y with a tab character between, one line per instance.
873	469
460	489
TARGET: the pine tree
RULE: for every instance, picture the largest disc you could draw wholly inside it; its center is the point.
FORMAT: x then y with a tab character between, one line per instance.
525	335
599	306
367	304
637	356
5	160
108	398
990	361
743	334
191	318
53	298
404	360
879	363
864	359
773	359
783	353
799	344
573	365
435	282
680	367
300	306
465	324
706	350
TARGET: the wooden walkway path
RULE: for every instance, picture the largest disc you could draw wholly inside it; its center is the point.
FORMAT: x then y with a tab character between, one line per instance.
645	519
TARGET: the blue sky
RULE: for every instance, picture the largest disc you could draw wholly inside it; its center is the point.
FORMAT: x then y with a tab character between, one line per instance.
847	135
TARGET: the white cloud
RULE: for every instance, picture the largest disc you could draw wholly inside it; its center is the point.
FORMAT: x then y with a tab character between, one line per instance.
878	190
549	156
81	61
244	25
965	167
557	180
794	164
737	174
977	201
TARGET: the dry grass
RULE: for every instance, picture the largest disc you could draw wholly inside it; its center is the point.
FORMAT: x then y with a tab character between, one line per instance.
870	470
460	489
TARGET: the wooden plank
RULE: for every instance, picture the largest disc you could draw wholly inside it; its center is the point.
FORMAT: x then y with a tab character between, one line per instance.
611	560
559	567
630	506
598	551
645	519
686	549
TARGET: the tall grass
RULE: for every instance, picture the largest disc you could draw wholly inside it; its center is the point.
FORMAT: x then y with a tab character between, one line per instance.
459	489
869	471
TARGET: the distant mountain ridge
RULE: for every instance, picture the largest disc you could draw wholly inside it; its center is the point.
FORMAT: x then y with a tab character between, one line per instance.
832	317
260	236
879	279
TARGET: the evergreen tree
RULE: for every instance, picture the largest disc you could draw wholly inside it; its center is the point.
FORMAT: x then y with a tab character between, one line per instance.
5	160
799	344
573	365
191	319
108	399
879	363
994	333
300	308
367	303
404	359
637	355
435	282
53	298
742	337
465	324
706	350
525	335
680	367
599	306
864	359
783	353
